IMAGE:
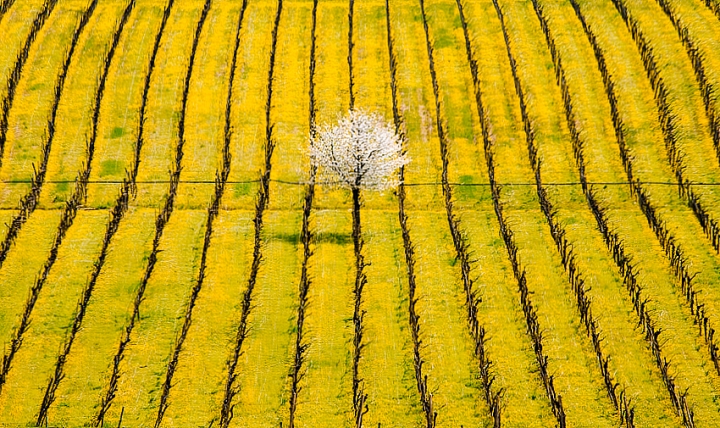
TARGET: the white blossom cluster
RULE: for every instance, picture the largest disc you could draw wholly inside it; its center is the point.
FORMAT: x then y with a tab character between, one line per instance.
362	151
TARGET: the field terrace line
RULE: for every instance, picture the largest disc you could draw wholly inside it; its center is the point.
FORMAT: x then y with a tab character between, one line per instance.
16	72
668	121
564	247
31	199
613	241
673	252
421	379
71	205
116	216
261	203
306	236
460	243
163	217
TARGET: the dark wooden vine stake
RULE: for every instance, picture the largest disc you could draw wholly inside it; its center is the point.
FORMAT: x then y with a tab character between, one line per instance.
351	46
161	220
261	203
116	216
426	397
301	345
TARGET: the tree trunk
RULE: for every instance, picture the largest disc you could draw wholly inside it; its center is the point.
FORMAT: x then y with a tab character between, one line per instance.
359	395
357	231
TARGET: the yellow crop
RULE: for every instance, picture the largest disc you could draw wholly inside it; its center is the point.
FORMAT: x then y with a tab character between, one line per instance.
551	259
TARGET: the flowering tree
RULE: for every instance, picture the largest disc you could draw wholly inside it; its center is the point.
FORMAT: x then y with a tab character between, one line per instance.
361	152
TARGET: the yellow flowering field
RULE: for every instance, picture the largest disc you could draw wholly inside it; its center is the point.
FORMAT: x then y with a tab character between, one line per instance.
549	258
